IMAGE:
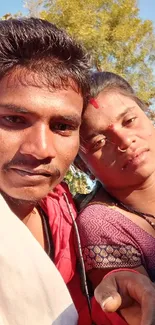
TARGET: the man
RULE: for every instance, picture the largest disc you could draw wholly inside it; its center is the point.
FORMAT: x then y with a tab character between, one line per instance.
43	89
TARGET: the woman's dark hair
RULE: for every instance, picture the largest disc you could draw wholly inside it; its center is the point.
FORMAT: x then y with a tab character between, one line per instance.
106	81
32	44
100	81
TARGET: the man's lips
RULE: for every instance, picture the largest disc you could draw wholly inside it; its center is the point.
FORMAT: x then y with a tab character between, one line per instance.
133	159
32	172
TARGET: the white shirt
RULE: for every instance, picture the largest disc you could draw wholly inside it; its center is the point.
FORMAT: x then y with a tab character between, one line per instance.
32	291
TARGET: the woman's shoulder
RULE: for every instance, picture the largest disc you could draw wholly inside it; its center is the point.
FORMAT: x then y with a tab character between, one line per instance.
82	200
97	197
99	204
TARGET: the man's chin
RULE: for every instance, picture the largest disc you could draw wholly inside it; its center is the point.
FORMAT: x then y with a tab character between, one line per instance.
28	195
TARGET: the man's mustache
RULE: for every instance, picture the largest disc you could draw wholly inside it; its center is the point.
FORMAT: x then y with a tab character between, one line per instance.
33	165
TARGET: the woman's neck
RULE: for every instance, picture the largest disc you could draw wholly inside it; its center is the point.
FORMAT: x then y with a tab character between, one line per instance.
141	198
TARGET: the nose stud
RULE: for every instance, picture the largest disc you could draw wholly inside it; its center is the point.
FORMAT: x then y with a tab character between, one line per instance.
121	150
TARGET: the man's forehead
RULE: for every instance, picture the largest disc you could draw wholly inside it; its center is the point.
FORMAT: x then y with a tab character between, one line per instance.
21	76
31	83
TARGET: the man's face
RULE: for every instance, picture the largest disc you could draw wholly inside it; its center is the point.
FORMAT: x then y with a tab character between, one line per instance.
39	137
118	123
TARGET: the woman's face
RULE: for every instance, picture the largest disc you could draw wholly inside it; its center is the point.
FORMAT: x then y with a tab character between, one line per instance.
117	141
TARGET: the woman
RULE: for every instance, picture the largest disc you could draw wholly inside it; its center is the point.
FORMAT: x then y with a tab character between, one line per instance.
117	227
61	213
59	208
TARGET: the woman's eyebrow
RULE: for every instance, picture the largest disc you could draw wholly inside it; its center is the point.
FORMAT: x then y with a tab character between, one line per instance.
127	110
89	137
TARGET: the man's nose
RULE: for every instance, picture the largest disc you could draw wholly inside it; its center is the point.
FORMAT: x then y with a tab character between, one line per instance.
39	142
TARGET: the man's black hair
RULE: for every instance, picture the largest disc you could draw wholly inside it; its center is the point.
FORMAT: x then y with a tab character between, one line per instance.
35	45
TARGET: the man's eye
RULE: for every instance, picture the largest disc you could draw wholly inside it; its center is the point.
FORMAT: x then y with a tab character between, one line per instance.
13	122
62	128
13	119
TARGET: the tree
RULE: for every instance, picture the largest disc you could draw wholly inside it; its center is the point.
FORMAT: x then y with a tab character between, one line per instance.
113	33
10	16
33	7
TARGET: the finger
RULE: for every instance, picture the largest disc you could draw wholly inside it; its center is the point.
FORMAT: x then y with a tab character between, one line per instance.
107	296
148	310
123	288
112	303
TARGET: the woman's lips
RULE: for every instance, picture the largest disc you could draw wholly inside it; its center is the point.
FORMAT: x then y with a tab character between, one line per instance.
135	159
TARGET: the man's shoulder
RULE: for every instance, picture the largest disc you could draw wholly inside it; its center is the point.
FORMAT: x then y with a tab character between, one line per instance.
60	199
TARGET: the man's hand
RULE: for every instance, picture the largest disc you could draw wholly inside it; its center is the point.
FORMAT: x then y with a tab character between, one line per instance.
132	293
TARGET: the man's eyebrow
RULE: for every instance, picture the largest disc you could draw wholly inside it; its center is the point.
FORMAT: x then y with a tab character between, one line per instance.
71	118
15	108
127	110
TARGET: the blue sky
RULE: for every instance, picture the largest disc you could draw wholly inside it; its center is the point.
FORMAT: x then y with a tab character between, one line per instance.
147	8
11	6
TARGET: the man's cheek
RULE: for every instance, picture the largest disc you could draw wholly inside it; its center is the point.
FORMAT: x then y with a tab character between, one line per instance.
69	157
73	149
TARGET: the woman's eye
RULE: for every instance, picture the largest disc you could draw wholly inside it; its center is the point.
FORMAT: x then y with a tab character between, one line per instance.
129	120
98	144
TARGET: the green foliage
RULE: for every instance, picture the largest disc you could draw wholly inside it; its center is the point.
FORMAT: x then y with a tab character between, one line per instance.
33	7
10	16
77	181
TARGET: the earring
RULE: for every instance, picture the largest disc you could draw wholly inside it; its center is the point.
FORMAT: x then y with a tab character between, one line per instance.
121	150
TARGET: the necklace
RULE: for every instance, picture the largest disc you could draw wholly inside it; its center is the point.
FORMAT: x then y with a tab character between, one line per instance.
145	216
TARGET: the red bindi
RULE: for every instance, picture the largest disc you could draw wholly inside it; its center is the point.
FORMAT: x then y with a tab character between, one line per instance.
94	103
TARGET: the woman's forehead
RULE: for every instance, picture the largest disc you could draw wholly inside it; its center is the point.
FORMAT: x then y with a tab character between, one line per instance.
107	105
114	100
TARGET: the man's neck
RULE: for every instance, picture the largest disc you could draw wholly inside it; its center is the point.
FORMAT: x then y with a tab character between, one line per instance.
30	216
21	208
141	198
